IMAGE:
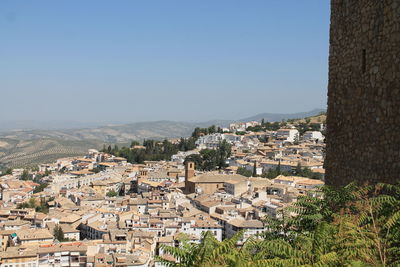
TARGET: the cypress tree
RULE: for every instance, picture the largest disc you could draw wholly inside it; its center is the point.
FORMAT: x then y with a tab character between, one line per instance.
255	170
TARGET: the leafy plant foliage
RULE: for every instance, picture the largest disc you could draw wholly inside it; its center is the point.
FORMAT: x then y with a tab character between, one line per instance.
352	226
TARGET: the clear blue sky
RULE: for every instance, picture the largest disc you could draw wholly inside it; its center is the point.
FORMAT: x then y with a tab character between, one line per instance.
150	60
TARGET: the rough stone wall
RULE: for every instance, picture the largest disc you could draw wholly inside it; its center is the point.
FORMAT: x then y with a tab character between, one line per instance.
363	121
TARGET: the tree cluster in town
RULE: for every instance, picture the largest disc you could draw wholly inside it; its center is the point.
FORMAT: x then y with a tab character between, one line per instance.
154	150
211	159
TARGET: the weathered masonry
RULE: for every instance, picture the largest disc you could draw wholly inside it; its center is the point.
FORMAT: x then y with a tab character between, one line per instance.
363	123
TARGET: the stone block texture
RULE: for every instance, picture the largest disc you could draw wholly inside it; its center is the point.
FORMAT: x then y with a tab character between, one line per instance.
363	120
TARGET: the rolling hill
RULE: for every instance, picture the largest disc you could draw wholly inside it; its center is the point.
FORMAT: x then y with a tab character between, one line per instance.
272	117
29	147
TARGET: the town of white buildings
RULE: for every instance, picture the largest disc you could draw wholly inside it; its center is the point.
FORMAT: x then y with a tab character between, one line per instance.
114	213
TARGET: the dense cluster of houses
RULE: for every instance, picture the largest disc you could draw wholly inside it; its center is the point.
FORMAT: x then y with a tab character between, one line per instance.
114	213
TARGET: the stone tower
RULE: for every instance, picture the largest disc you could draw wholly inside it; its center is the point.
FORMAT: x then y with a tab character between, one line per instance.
189	171
363	121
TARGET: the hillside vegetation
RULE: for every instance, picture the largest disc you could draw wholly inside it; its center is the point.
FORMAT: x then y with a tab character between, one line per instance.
26	153
313	119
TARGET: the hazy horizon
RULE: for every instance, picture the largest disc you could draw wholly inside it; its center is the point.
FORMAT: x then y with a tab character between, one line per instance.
6	125
130	61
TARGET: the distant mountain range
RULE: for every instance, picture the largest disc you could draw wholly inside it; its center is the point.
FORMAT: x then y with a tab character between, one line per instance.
28	125
50	125
28	145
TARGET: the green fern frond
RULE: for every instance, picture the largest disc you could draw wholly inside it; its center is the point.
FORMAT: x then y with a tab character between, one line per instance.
393	220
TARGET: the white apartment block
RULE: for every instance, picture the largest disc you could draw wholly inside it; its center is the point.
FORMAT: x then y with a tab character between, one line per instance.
212	140
313	135
287	135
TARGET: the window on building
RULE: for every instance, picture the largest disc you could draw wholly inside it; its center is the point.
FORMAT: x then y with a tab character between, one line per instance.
364	61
